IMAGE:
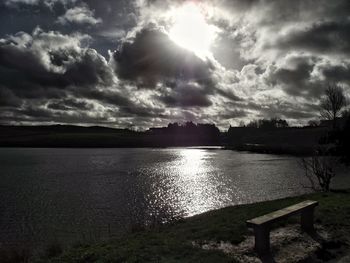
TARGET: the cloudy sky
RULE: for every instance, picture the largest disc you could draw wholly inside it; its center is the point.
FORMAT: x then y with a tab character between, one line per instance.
142	63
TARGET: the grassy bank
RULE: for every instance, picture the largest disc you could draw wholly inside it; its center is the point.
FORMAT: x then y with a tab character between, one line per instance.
173	243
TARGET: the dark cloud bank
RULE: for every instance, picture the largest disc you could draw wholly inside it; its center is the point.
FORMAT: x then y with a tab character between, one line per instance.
267	62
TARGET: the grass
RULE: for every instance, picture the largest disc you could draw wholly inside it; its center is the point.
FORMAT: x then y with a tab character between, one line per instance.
173	243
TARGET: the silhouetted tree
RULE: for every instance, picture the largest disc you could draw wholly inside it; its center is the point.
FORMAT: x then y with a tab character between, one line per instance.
346	114
279	123
173	127
268	124
332	103
313	123
319	169
190	133
241	124
253	124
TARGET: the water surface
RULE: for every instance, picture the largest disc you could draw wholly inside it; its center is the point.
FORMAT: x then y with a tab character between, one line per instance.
86	194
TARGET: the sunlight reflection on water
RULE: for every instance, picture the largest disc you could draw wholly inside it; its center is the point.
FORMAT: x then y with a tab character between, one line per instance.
197	194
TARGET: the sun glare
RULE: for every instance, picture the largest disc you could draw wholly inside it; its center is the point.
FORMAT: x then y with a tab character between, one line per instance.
190	30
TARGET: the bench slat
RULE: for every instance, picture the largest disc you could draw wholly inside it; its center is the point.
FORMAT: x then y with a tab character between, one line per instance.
288	211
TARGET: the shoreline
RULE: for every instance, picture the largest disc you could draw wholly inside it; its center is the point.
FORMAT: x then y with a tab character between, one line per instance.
274	149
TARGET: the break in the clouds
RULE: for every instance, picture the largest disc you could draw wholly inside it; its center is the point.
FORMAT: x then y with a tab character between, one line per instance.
146	63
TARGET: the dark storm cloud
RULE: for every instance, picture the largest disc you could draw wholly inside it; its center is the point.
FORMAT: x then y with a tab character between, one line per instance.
21	15
69	104
281	12
8	99
186	96
152	61
49	61
139	111
279	109
35	115
112	98
126	107
286	110
227	51
232	113
151	57
307	77
337	73
241	5
229	94
56	70
24	70
295	78
323	37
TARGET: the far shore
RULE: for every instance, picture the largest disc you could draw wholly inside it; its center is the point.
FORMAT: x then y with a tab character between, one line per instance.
291	140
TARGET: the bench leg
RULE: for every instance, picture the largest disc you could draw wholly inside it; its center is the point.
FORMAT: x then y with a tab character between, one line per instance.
307	220
262	240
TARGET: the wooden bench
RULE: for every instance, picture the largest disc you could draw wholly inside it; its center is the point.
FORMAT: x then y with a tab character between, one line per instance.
262	224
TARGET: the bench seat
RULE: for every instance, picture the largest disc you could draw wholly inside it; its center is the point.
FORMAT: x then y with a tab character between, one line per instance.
262	224
280	214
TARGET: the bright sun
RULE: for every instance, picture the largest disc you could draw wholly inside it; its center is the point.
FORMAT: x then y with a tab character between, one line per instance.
190	30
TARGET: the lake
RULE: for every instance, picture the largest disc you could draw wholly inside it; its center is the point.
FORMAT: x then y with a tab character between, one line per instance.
70	195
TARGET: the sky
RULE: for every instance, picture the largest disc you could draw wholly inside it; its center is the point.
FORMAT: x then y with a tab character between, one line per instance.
139	64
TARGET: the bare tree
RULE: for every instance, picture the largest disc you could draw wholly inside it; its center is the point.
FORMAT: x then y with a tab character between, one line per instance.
333	103
319	170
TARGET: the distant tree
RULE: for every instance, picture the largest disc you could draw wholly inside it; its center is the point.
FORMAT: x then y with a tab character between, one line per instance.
253	124
279	123
313	123
173	127
208	130
346	114
332	103
190	127
268	123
